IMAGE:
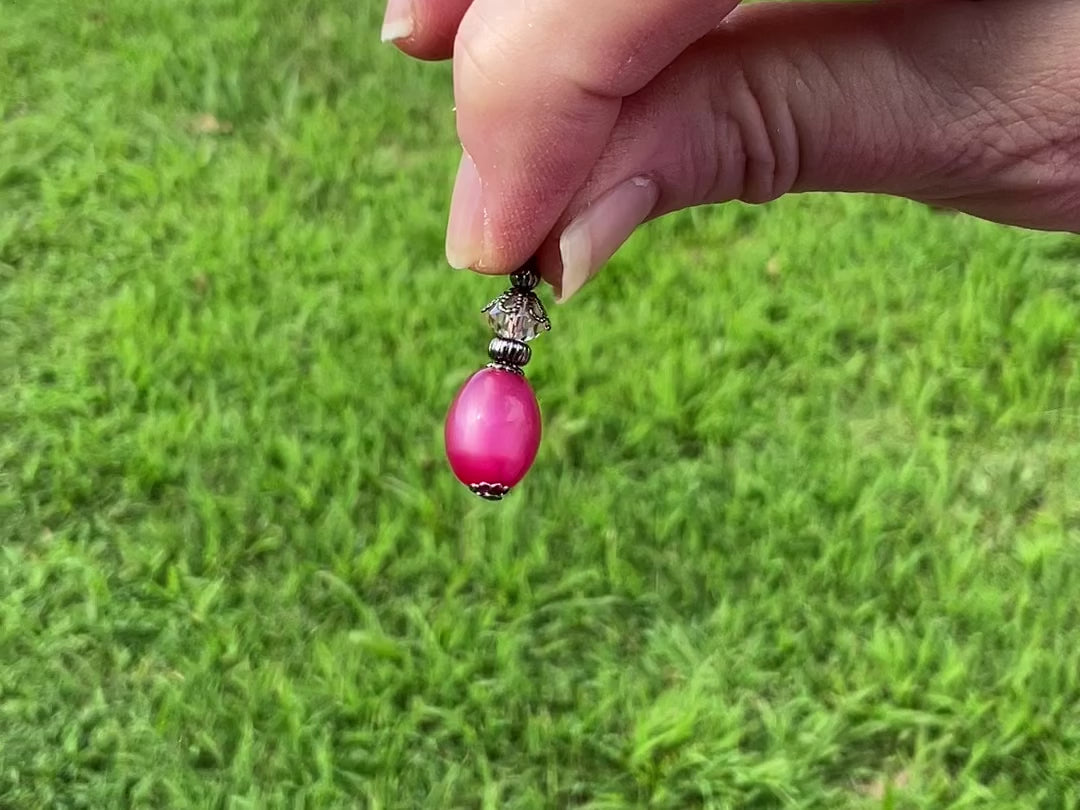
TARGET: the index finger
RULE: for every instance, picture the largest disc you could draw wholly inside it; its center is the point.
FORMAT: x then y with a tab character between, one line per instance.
424	29
538	87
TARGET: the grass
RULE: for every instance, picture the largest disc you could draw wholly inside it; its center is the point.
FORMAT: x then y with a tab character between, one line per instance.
803	532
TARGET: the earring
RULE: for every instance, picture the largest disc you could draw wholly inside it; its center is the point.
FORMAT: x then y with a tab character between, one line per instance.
493	428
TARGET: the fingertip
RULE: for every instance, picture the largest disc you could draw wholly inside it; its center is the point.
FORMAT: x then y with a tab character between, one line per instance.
421	48
423	29
399	21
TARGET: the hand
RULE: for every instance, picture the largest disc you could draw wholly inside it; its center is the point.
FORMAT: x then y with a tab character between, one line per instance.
582	119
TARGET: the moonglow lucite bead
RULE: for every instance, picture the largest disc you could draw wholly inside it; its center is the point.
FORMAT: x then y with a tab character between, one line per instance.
493	432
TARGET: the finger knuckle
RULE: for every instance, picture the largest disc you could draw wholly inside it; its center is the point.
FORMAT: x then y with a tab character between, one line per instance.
755	132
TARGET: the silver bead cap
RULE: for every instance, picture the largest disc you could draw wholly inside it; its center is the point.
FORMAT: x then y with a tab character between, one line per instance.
490	492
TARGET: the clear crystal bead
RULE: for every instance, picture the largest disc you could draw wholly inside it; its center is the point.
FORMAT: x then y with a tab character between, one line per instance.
517	315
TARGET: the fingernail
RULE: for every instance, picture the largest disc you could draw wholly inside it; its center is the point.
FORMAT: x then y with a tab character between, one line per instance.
465	229
599	231
398	21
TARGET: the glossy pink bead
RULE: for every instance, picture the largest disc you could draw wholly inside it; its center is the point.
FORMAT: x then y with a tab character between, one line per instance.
493	431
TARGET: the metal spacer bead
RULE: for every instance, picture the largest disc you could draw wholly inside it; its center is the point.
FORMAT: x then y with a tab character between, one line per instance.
507	352
526	277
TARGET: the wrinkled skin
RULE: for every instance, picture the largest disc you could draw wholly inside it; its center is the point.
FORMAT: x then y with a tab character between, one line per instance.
968	104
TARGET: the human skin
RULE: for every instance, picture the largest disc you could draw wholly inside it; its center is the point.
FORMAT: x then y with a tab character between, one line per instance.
579	121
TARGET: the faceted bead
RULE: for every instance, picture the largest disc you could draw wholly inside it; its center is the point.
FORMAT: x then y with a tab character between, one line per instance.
517	315
493	431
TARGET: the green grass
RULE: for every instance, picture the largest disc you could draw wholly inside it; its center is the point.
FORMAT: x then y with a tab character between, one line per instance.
803	531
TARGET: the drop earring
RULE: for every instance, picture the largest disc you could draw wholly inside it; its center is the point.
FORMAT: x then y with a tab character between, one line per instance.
493	428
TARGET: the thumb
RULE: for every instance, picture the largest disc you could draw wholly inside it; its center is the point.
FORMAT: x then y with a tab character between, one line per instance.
868	97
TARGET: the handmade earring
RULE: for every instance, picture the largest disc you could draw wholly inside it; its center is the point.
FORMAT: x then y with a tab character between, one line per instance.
493	427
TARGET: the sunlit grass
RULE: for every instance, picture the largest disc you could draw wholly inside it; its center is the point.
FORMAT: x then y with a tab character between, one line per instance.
803	531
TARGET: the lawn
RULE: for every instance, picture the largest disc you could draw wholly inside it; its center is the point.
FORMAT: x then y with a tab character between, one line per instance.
804	531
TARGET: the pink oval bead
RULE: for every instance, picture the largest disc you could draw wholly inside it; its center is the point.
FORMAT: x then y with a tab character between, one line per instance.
493	431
